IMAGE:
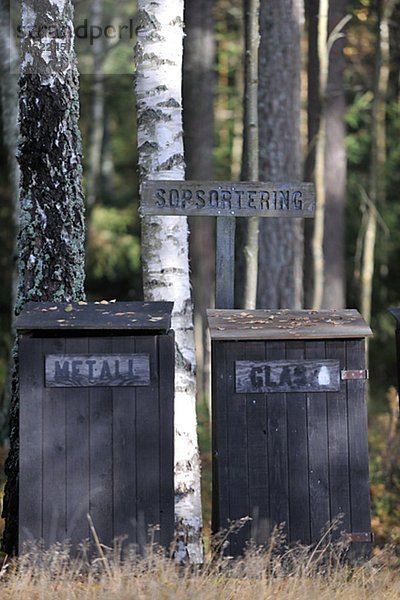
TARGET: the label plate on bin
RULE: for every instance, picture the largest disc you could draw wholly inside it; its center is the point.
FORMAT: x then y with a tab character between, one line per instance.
101	370
286	376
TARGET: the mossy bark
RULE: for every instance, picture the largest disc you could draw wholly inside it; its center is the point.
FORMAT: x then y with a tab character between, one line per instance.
51	237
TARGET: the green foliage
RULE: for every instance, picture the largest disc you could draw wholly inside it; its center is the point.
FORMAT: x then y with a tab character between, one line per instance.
228	112
113	253
385	472
386	283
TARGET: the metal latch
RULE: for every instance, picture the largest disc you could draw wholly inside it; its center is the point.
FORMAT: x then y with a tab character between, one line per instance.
353	375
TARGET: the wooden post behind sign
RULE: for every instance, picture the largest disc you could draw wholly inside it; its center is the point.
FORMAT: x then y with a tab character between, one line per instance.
227	200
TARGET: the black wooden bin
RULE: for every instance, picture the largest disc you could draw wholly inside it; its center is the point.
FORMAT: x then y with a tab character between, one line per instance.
96	422
395	312
290	425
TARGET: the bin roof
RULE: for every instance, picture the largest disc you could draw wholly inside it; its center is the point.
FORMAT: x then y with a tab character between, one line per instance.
95	316
286	324
396	313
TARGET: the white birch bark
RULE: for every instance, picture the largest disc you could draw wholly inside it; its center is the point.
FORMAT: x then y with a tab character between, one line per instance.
165	241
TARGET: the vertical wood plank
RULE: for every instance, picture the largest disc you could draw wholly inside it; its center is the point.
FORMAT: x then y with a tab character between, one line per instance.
54	456
101	451
299	501
318	458
338	441
147	446
237	450
124	454
257	454
220	477
278	447
77	454
31	377
166	352
358	447
224	262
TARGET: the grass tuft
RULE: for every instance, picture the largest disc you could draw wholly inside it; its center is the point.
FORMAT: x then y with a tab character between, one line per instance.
278	571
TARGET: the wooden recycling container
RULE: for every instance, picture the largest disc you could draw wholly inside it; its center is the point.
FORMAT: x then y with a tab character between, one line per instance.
96	422
289	414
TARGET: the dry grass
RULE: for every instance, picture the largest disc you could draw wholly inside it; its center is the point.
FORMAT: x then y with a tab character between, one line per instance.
296	574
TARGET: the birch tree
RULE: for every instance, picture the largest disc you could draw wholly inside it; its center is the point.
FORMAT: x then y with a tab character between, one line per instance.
165	240
51	237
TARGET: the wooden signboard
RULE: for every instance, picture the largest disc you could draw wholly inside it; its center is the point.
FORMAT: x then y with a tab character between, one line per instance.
227	198
88	370
282	376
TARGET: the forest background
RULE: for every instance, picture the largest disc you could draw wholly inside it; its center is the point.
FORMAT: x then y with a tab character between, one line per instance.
108	126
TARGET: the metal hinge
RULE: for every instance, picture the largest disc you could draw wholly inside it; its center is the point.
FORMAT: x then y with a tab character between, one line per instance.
352	375
360	537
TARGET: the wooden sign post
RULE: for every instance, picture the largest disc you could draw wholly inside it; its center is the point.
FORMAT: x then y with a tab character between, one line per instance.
227	200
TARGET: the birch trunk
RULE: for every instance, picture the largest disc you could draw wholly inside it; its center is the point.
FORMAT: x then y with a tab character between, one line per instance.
51	237
165	241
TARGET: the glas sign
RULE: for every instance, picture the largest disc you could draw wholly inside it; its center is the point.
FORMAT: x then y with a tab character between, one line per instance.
255	377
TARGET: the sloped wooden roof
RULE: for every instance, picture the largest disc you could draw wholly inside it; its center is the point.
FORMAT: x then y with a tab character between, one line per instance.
95	316
286	324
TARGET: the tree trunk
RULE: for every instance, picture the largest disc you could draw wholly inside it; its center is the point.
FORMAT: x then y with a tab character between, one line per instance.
51	238
165	240
9	104
313	112
335	165
97	121
378	153
198	103
319	220
394	50
281	240
251	154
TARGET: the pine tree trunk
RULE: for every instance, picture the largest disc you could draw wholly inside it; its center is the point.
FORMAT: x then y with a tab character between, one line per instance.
51	238
198	102
9	105
313	112
165	240
281	240
251	146
335	166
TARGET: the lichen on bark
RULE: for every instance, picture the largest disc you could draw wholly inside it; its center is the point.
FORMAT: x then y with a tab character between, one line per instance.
51	237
